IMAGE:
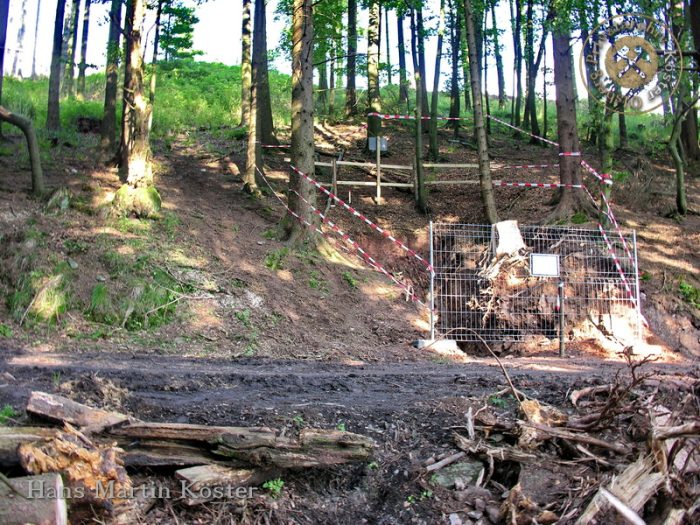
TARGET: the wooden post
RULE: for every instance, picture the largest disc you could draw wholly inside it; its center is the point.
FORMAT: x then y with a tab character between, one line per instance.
421	198
378	144
334	184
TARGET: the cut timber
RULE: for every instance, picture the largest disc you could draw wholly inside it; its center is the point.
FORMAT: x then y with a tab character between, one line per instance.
222	480
163	454
48	510
243	437
13	437
64	410
633	488
510	241
315	448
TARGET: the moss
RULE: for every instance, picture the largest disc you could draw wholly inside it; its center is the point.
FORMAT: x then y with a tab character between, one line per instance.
144	202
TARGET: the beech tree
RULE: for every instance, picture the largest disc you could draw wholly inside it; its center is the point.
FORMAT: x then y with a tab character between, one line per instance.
83	49
302	151
36	38
68	87
53	114
374	124
108	128
260	78
350	92
403	81
433	146
246	68
16	69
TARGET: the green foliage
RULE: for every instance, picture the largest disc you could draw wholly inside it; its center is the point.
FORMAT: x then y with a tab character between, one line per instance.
348	278
274	259
152	301
689	293
274	487
75	246
176	39
244	317
340	426
298	420
271	234
40	295
6	413
101	309
316	282
579	218
497	401
5	331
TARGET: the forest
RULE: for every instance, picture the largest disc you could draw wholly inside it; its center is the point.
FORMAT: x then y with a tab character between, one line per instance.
343	261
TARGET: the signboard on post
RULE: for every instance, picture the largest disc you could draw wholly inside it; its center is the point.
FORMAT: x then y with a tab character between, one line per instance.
544	265
383	144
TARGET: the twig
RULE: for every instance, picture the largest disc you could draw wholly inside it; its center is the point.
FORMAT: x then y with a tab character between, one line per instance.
630	515
447	461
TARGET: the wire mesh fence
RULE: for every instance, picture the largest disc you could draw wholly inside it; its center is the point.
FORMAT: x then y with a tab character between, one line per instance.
507	282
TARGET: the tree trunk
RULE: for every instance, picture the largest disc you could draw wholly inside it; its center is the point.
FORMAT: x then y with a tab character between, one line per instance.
154	63
694	11
108	129
420	35
689	135
414	53
302	151
622	124
331	82
53	115
403	81
350	93
246	69
36	39
69	73
529	59
465	60
517	47
487	195
534	67
434	148
83	49
254	161
570	199
27	128
374	124
135	162
322	98
455	37
485	69
421	190
266	132
499	61
4	11
16	69
388	46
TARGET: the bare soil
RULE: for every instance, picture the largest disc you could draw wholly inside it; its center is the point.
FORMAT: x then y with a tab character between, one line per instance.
320	340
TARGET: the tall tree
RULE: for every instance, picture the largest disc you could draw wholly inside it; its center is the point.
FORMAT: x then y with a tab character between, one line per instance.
154	60
83	49
516	22
254	160
108	129
388	45
420	39
465	57
302	151
177	36
36	38
53	115
486	184
570	200
374	124
455	38
246	68
266	132
433	150
403	81
350	92
19	50
499	58
68	87
4	10
532	65
135	152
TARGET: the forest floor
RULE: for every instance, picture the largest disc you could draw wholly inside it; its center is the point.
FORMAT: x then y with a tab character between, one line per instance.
262	335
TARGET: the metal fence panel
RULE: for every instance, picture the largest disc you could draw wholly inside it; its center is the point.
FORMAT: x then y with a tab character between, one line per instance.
483	286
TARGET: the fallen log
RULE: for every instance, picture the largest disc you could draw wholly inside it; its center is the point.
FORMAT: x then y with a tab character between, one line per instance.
41	502
206	482
64	410
13	437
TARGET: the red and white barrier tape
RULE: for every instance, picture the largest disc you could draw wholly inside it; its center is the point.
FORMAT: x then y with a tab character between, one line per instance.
613	220
276	146
618	265
551	142
387	234
536	184
570	154
367	257
525	167
602	177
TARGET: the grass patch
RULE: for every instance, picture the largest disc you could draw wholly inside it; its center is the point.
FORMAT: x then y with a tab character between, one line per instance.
689	293
39	295
5	331
579	218
274	260
349	279
7	413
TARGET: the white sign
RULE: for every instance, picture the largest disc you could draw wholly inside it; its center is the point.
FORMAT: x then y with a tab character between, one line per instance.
383	143
544	265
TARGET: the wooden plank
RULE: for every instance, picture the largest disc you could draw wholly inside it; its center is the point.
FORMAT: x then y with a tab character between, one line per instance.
64	410
43	502
448	166
207	482
244	437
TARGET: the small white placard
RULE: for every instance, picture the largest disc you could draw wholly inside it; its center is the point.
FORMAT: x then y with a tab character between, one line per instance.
544	265
383	143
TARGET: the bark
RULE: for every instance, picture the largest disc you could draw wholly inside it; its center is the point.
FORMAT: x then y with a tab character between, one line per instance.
518	52
485	69
135	162
254	161
322	89
266	133
350	93
36	38
465	60
83	49
108	128
27	128
455	37
499	61
403	81
434	148
388	46
569	167
246	69
154	63
374	124
53	116
69	73
487	195
420	36
16	69
302	150
30	509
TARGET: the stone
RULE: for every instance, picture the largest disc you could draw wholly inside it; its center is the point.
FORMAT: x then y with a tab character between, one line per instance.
73	264
475	514
493	512
455	520
466	471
